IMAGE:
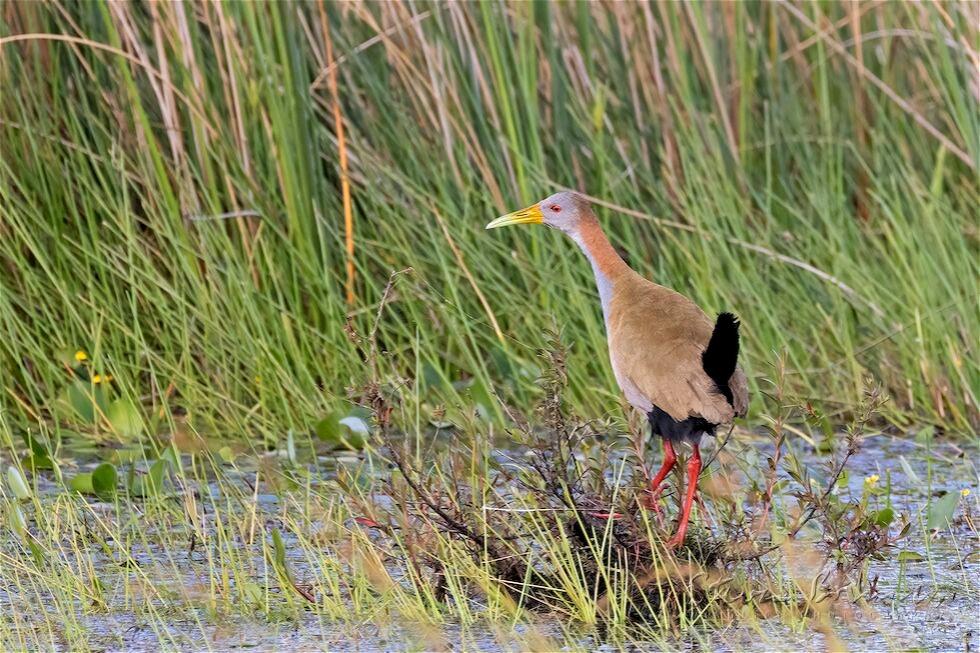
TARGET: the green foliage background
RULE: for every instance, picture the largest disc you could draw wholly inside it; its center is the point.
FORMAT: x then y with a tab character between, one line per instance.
810	166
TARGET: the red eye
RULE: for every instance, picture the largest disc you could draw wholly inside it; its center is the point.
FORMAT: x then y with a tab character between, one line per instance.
555	208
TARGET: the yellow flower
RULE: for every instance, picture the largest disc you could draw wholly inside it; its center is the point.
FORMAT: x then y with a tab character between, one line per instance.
871	480
965	492
98	378
80	356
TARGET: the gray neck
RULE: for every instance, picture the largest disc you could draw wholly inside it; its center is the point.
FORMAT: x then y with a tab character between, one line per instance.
602	282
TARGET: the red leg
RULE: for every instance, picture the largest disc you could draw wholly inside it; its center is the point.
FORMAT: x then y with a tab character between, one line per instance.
693	471
657	485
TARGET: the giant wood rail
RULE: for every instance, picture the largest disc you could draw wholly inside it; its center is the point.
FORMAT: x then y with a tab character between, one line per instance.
671	362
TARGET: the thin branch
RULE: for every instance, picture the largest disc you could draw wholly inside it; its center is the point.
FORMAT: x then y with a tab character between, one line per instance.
373	336
448	521
853	444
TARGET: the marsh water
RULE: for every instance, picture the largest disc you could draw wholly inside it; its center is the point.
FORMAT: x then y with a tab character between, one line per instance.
926	593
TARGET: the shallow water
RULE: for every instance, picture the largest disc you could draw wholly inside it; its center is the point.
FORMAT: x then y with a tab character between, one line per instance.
929	604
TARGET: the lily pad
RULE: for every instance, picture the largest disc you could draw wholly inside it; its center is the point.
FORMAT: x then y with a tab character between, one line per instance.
18	484
350	432
941	511
83	402
124	418
328	428
104	480
101	481
35	462
356	433
16	520
81	483
226	454
172	456
39	456
884	517
360	411
159	472
152	484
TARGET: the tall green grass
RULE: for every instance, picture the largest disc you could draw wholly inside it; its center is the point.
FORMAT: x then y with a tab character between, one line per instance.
810	166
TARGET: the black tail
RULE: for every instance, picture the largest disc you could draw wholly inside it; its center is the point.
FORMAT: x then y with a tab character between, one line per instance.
721	354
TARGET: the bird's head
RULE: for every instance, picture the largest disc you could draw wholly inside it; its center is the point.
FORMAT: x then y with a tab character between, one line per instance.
562	211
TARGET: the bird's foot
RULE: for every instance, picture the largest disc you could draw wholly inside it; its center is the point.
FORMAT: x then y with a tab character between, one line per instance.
675	541
651	503
652	499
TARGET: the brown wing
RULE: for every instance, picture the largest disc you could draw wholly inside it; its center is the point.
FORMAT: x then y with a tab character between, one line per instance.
657	338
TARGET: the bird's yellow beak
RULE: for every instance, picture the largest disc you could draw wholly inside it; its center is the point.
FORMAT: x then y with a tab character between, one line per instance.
530	215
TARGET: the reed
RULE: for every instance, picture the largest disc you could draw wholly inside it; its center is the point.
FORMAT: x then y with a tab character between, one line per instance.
172	197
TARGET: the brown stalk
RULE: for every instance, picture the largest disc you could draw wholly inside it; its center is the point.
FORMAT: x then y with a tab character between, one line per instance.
854	435
729	10
231	85
373	336
377	38
168	108
427	89
860	113
342	151
228	52
627	29
476	152
68	18
449	522
709	67
663	107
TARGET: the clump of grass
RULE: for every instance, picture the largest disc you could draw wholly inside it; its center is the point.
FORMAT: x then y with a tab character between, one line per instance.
554	524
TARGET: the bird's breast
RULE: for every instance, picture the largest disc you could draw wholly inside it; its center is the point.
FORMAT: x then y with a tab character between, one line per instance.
633	395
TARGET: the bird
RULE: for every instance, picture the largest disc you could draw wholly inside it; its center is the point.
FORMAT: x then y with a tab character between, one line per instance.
672	363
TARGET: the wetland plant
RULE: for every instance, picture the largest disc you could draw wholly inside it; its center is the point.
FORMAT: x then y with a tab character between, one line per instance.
553	523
